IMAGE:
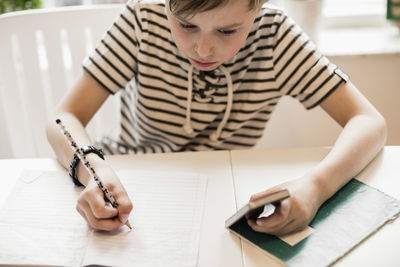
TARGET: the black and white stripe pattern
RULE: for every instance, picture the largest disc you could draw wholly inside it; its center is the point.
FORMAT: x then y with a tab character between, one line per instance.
139	56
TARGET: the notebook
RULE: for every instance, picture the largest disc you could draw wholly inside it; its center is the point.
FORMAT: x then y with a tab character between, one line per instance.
355	212
40	226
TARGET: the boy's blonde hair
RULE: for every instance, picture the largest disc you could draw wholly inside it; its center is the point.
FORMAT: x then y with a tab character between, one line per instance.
188	8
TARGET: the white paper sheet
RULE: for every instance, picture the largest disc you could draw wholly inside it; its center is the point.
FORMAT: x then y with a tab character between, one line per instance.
40	226
166	220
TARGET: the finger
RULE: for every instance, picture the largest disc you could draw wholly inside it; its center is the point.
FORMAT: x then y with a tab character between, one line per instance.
290	228
80	211
98	224
278	218
274	230
273	223
100	208
295	225
95	198
125	207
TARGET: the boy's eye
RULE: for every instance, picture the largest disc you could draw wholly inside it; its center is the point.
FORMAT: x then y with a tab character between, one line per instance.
186	26
227	32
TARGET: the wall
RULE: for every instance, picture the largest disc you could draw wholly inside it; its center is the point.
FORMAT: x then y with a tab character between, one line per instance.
5	149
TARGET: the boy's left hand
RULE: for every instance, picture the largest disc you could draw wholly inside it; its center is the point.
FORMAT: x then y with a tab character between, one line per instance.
292	214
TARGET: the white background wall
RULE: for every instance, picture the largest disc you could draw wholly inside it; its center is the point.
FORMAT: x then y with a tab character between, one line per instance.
5	150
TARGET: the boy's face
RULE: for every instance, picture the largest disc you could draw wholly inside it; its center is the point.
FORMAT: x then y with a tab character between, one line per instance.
210	38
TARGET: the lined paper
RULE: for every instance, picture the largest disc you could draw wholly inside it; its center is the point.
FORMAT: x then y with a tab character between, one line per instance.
166	220
40	226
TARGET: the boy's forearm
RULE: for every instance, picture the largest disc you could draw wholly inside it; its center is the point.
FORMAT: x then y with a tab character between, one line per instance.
62	148
361	139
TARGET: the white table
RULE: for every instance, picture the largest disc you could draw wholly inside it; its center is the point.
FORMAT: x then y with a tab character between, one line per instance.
233	177
217	246
256	170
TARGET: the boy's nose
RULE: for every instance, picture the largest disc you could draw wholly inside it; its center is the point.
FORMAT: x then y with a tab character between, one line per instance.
204	47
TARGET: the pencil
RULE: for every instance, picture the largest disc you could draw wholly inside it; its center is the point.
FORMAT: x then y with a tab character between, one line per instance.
86	163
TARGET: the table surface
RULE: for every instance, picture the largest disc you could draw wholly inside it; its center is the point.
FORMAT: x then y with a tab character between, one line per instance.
233	176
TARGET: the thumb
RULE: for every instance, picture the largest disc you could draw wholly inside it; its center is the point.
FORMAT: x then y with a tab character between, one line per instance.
124	208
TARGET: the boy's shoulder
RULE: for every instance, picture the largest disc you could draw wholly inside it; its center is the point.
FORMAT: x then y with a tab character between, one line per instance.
146	2
270	6
269	20
270	12
149	9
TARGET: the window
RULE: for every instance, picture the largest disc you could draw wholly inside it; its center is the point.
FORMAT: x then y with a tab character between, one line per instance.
344	13
342	8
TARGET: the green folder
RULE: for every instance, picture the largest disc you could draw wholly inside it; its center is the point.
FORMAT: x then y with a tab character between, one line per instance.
343	221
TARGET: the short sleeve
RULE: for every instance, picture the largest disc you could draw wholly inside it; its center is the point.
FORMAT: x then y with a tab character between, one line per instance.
301	70
113	63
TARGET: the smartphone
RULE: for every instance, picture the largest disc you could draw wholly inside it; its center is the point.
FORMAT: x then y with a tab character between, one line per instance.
254	208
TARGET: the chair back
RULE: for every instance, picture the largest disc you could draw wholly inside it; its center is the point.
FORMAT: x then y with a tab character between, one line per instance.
40	59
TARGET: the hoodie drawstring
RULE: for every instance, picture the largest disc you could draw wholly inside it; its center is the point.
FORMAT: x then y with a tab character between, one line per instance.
187	126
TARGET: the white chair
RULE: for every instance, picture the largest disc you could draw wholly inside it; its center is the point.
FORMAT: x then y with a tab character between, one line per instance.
40	58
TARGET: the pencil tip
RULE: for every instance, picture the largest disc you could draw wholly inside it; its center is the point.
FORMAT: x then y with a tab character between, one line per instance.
128	224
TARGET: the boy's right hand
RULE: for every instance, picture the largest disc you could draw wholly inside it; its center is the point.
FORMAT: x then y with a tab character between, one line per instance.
98	213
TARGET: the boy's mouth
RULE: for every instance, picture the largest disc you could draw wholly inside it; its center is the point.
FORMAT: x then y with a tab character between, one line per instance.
202	64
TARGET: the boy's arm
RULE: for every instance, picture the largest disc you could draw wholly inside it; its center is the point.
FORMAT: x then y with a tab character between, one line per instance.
362	137
75	110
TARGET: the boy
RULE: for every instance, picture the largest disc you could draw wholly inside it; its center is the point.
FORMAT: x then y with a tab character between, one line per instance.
205	75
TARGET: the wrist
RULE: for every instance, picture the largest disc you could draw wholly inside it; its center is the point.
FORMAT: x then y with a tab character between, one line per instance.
96	163
320	188
78	172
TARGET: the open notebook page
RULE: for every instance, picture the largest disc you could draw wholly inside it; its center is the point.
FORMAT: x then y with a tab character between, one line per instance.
39	224
166	220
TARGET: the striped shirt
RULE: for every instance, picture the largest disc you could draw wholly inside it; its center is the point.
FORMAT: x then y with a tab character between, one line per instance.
138	57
